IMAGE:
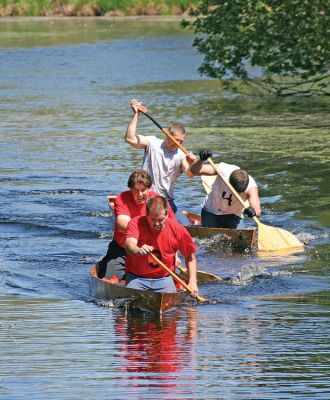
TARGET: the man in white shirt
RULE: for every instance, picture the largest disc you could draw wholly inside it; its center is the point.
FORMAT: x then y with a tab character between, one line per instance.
162	158
220	208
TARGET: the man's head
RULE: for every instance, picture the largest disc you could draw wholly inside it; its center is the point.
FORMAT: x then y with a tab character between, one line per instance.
178	131
157	212
139	184
239	179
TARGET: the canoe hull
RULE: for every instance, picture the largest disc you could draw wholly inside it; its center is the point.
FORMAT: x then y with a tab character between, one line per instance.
238	239
154	302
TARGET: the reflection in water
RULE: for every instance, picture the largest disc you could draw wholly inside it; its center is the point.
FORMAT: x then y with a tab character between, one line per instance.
157	348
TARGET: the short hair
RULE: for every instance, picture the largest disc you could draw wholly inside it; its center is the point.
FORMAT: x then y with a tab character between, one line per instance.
239	179
157	204
178	127
139	176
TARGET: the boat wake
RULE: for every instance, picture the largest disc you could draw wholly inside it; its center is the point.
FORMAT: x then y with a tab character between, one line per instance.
308	237
249	274
219	243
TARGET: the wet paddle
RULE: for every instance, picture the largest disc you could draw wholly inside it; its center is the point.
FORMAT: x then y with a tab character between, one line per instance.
177	278
270	238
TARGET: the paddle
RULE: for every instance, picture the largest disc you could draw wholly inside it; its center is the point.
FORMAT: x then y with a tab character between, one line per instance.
202	276
178	279
270	238
143	110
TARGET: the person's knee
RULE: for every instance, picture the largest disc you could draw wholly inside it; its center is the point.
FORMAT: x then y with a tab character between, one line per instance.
169	286
116	267
134	284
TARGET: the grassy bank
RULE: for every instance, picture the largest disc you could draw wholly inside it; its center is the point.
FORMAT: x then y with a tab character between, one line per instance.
94	7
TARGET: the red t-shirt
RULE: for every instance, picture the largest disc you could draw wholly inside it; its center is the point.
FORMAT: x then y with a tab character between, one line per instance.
125	205
173	237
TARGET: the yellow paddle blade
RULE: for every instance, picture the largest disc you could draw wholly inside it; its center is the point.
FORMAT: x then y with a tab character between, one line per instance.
275	239
208	181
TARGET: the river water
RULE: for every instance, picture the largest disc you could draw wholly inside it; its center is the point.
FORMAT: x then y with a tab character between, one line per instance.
65	86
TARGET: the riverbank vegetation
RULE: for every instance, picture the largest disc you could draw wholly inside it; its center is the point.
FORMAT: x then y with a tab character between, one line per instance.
95	7
288	41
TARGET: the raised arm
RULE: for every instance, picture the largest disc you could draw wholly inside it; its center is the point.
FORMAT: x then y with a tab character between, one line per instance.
199	168
187	162
137	141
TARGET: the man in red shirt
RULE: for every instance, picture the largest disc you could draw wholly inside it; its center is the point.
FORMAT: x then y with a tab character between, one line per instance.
128	204
163	236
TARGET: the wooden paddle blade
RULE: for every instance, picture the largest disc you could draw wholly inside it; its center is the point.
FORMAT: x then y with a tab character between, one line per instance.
207	182
202	276
201	299
271	238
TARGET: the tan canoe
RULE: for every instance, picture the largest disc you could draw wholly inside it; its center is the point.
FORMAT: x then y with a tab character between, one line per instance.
238	239
154	302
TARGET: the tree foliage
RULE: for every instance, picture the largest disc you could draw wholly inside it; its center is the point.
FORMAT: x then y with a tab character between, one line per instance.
287	39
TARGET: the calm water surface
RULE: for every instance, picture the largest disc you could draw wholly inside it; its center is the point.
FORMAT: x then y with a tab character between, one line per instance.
65	90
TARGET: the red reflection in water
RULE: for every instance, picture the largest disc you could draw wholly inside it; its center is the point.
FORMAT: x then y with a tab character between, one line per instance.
153	345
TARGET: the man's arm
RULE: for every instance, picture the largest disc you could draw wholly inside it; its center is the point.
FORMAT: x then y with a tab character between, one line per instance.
253	197
133	249
191	265
187	162
137	141
122	222
199	168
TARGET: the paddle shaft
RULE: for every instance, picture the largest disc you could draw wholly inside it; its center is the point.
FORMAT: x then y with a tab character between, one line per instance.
179	280
164	130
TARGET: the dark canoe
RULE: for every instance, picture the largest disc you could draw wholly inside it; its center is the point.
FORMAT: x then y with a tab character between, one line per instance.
239	239
154	302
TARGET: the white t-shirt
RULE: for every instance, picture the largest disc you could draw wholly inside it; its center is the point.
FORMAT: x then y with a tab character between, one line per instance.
221	200
163	165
